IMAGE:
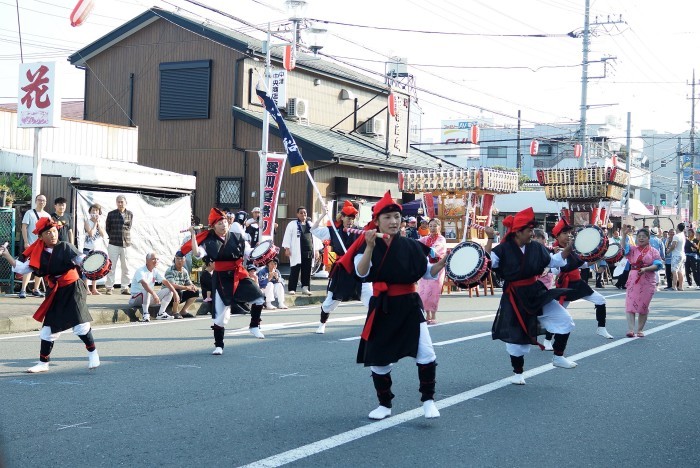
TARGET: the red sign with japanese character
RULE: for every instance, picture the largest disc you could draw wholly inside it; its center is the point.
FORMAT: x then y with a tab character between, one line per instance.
37	104
274	170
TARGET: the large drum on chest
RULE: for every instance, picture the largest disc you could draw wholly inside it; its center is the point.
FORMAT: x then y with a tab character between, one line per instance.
263	253
590	243
96	265
467	264
614	253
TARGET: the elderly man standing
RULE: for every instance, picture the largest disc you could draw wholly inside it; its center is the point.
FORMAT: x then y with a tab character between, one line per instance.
118	228
186	291
301	246
143	292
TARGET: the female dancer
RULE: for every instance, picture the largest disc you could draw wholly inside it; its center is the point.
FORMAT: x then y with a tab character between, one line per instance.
429	289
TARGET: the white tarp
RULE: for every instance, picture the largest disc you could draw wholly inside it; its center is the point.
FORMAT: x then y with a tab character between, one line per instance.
156	227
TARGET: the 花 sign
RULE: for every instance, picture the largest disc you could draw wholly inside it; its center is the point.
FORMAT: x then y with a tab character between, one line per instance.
37	102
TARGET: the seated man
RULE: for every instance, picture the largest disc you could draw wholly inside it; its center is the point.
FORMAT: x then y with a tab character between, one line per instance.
142	292
186	291
269	280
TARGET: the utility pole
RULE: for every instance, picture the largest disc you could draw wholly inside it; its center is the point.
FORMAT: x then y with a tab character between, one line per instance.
626	208
679	178
519	151
691	212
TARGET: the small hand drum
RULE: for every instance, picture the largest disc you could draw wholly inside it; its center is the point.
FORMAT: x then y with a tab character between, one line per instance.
590	243
96	265
614	253
467	264
263	253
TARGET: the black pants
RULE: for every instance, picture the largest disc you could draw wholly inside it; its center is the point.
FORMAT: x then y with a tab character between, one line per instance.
669	275
692	269
305	268
622	280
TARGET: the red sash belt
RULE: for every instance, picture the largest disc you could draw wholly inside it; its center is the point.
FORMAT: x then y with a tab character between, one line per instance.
236	266
378	289
565	278
70	277
510	290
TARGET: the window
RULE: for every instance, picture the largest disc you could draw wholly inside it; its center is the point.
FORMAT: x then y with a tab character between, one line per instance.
184	90
544	150
496	151
663	163
228	192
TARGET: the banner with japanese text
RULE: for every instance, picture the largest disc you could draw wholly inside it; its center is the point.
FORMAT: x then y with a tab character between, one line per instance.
429	203
38	104
278	87
274	170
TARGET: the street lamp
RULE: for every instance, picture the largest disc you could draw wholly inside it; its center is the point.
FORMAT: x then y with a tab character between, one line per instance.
316	38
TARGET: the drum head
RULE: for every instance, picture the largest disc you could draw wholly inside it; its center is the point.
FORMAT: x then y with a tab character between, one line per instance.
464	261
94	261
613	250
261	248
587	240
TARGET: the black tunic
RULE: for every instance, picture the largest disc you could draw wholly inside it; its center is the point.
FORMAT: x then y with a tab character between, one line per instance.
68	308
396	326
344	286
514	266
578	288
222	281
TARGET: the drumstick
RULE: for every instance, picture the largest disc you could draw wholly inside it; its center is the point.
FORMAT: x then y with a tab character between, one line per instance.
362	231
198	226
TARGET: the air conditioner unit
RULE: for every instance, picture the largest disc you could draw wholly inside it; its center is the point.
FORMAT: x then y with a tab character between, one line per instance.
297	108
374	126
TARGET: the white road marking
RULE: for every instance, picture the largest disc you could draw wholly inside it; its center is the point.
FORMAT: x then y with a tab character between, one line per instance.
471	319
458	340
68	426
281	326
375	427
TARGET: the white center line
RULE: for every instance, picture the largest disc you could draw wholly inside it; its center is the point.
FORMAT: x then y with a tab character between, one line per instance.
355	338
375	427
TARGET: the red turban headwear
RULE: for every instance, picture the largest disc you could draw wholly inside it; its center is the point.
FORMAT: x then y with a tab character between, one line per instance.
521	220
44	224
33	252
349	209
386	205
561	226
215	215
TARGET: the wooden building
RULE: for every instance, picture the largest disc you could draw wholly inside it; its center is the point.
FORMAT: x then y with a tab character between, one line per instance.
189	86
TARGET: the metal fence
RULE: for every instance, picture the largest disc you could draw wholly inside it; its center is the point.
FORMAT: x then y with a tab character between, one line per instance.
7	234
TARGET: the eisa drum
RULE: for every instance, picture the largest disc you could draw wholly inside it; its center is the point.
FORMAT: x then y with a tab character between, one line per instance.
614	253
263	253
590	243
467	264
96	265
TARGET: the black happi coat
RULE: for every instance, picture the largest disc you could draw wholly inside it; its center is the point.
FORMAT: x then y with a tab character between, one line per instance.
397	320
578	288
344	286
514	265
68	308
229	249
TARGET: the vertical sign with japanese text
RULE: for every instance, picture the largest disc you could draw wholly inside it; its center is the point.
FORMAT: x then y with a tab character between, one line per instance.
397	125
38	104
278	87
274	170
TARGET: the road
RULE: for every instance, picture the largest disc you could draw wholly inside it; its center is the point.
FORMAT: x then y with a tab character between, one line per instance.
298	398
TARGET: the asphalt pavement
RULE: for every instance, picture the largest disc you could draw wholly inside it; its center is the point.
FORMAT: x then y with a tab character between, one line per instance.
161	399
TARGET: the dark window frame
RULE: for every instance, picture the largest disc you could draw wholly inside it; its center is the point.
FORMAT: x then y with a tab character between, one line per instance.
219	202
173	79
490	148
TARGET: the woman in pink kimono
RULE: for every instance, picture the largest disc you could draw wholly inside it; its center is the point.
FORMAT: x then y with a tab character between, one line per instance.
430	289
644	260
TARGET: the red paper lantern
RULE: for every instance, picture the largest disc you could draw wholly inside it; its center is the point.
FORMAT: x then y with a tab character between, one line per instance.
534	147
289	60
475	134
391	104
578	150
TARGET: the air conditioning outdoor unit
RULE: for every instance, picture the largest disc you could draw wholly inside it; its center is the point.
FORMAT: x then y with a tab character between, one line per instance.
297	108
374	126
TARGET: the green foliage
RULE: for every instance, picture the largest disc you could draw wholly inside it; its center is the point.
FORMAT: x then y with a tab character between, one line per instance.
196	262
18	186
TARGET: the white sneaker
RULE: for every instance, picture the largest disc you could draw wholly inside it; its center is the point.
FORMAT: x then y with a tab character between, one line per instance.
380	412
269	306
145	318
517	379
548	345
40	367
602	331
218	351
430	410
164	316
93	359
255	331
292	293
561	361
321	329
283	306
305	291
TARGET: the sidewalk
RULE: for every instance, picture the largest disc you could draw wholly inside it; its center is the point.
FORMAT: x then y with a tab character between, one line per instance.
16	314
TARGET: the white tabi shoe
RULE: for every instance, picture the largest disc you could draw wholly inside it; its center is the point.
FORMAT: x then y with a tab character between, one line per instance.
283	306
430	410
93	360
602	331
269	306
40	367
517	379
255	331
561	361
321	329
380	412
548	345
305	291
217	351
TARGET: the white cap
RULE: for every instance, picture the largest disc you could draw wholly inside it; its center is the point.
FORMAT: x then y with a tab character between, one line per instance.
257	208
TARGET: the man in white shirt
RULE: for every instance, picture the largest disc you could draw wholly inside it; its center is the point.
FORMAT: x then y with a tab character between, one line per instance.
143	292
677	249
301	246
28	224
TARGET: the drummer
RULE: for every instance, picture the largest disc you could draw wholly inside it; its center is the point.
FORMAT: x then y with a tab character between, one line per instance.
232	285
570	278
525	300
342	285
64	306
